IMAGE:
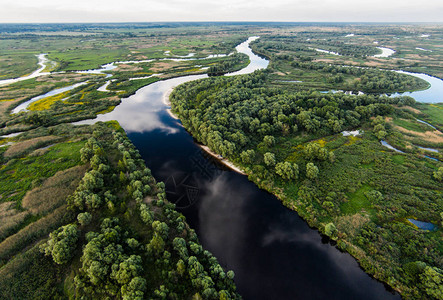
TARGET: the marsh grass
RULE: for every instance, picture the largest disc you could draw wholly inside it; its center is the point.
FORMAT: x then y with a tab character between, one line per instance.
350	224
11	218
54	190
21	148
17	175
411	125
30	275
31	233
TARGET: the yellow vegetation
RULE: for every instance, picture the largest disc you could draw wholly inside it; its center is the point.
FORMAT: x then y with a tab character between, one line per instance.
410	223
436	106
108	110
352	139
193	70
321	142
47	102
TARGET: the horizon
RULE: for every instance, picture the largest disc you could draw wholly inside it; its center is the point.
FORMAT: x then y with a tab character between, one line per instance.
110	11
231	22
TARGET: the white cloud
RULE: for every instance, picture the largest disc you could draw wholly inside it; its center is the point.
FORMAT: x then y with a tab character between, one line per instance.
228	10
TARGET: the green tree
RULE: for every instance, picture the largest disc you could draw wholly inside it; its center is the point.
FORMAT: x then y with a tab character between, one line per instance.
146	214
129	268
311	171
269	140
269	159
181	267
248	156
156	246
135	290
287	170
61	243
331	230
432	280
381	134
438	175
84	218
86	154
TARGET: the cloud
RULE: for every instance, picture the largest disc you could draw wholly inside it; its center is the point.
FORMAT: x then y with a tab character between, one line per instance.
229	10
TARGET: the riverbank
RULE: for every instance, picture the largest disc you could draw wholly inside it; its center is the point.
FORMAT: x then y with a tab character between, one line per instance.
222	160
167	102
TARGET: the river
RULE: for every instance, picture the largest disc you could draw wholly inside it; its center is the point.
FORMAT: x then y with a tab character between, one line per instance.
273	252
434	94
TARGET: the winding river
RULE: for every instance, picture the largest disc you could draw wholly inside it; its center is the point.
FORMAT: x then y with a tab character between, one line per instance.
273	252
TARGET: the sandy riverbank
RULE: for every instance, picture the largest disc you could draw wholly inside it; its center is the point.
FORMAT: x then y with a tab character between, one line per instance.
222	160
167	102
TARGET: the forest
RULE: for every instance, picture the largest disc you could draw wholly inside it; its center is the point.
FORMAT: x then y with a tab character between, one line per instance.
360	196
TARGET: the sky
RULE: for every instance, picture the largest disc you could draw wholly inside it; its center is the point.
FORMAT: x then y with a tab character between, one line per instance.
55	11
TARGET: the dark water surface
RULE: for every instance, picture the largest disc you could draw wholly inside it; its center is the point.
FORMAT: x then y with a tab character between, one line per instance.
273	252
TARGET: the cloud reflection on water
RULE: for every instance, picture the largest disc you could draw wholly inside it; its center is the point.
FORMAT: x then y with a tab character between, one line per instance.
221	213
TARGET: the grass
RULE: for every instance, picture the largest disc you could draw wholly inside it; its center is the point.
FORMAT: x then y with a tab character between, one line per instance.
54	190
30	275
16	64
131	86
357	201
20	148
434	113
31	233
18	174
411	125
11	218
86	59
105	111
398	159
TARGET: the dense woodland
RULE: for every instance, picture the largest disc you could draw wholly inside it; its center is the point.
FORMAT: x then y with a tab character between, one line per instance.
290	144
368	80
119	238
307	41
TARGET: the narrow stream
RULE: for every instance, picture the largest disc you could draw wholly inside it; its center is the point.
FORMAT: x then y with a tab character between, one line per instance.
273	252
